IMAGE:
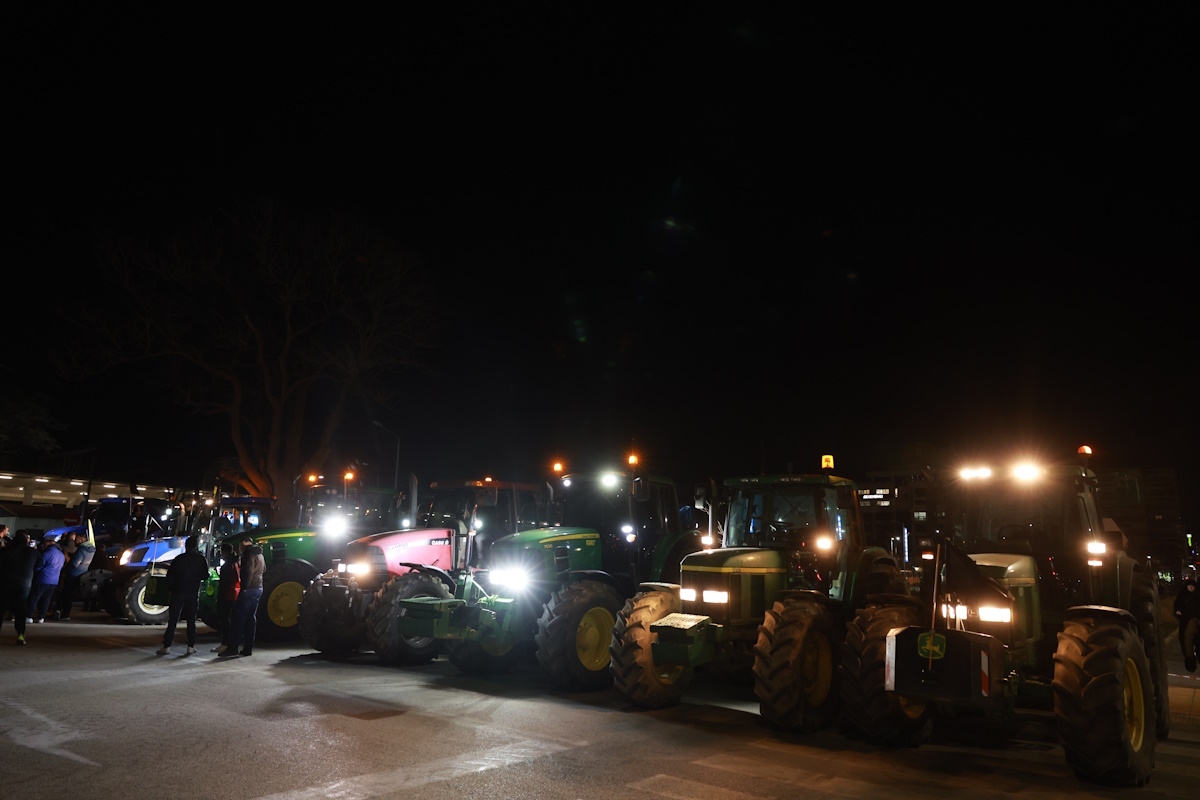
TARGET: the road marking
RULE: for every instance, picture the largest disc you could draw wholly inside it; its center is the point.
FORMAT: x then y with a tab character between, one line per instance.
381	784
683	789
41	733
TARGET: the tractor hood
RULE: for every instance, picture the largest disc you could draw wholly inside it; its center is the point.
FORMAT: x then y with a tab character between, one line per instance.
732	559
541	537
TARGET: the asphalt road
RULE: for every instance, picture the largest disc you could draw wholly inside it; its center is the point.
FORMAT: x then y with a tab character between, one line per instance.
87	710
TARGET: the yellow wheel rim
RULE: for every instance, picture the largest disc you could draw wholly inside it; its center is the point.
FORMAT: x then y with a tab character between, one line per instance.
816	669
1135	705
283	606
495	648
592	638
911	710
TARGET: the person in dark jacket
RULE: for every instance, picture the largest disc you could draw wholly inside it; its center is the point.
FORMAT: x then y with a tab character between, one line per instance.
45	580
17	561
227	593
244	624
184	576
1187	611
79	560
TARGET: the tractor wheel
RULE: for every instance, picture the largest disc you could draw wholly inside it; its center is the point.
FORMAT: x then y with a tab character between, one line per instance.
1144	607
325	618
636	676
795	666
482	658
867	707
279	609
133	602
1104	701
383	631
573	635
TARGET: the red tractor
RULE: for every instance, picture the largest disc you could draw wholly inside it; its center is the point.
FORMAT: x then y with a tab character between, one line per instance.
354	606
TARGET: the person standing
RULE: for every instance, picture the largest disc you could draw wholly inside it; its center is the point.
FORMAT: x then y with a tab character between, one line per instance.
45	580
17	561
184	576
244	623
1187	610
78	563
227	593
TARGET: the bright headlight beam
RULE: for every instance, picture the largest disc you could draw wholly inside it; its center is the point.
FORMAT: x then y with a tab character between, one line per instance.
1096	548
824	543
687	594
995	614
712	596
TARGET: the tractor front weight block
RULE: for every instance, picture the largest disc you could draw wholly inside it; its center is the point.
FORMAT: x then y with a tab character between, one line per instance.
685	639
959	668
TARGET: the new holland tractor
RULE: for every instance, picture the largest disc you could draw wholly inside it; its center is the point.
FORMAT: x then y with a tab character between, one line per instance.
774	599
354	605
1029	601
560	588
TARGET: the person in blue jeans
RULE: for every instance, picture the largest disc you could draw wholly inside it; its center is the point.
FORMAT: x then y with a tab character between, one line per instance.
45	580
244	624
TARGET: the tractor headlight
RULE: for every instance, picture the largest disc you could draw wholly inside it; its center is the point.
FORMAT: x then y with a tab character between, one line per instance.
712	596
824	543
514	579
1096	548
354	569
995	614
334	527
125	557
687	594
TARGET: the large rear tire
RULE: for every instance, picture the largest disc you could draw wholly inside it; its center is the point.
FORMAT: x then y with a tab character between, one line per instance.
133	602
1144	607
326	616
383	630
636	677
1104	700
867	707
573	635
796	665
279	610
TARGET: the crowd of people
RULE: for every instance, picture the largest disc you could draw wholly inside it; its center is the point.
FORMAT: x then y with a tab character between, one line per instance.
36	576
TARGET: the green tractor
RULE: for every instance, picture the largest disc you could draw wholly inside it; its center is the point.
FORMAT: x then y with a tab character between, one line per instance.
294	555
1030	601
560	588
774	599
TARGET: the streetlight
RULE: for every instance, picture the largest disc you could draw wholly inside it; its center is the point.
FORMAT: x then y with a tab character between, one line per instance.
396	476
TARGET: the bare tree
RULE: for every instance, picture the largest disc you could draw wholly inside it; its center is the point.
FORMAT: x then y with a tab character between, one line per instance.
270	319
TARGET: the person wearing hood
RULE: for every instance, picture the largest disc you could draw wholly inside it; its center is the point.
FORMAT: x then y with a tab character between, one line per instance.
243	625
1187	611
45	580
184	576
17	562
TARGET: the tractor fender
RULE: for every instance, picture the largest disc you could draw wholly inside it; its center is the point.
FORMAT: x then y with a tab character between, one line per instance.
1105	612
436	572
600	576
654	586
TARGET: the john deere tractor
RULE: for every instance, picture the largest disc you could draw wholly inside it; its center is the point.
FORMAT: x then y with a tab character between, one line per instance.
1028	600
560	588
774	599
353	606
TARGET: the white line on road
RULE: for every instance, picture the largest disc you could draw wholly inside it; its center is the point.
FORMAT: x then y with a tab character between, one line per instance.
41	733
380	784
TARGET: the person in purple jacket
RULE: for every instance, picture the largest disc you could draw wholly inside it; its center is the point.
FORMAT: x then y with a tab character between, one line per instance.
45	580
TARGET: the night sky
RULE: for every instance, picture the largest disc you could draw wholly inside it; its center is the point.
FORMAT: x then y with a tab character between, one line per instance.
731	238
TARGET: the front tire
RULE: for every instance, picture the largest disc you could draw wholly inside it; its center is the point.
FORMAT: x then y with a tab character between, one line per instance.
279	611
326	617
867	707
133	602
796	666
1144	607
574	633
1104	700
383	631
636	677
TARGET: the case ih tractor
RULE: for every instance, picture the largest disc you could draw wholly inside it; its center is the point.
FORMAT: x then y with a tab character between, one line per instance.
560	588
774	598
1031	602
354	605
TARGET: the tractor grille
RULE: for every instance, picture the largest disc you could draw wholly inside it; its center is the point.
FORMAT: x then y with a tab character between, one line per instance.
746	596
